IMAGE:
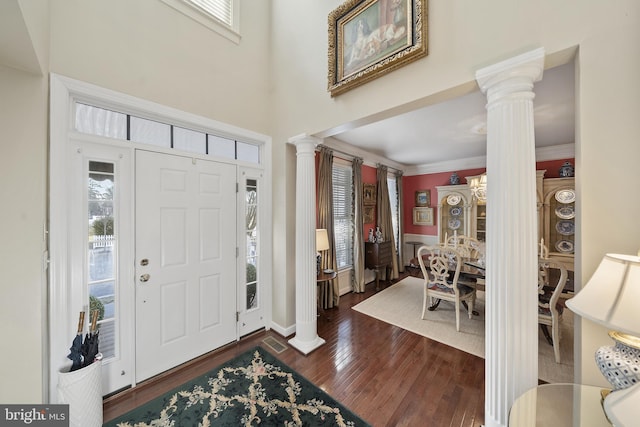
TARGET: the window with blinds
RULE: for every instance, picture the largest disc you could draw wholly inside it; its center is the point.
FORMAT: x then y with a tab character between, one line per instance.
219	9
395	208
221	16
343	212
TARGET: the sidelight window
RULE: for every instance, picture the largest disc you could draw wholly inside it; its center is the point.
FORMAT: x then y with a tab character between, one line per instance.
252	243
102	253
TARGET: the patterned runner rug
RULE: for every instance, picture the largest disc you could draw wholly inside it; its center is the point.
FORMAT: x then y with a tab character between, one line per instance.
252	389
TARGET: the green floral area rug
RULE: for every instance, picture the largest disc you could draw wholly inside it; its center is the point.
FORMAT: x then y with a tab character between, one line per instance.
252	389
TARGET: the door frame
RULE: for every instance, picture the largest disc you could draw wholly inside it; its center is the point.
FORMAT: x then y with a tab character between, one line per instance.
64	92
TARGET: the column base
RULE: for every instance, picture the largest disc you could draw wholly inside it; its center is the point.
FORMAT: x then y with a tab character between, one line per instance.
306	347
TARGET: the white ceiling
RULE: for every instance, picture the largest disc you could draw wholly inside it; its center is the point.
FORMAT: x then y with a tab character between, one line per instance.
456	129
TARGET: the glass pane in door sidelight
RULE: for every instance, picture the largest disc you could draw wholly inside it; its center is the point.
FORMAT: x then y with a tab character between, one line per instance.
101	255
252	243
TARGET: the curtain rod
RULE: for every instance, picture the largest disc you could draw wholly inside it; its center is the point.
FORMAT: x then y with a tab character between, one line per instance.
351	156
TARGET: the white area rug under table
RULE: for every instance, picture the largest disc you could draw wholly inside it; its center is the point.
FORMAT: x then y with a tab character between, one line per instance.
401	306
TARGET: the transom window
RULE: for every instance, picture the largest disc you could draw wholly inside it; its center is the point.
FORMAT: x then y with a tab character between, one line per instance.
99	121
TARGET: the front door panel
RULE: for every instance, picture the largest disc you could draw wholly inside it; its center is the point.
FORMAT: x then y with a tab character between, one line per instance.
185	259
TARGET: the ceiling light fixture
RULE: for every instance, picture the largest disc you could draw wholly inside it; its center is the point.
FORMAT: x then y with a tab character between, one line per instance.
478	187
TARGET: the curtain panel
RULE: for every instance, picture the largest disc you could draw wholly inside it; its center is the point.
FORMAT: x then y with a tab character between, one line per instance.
329	294
384	214
400	244
358	284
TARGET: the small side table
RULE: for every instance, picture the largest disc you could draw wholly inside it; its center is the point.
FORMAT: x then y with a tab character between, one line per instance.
559	405
321	280
415	245
414	269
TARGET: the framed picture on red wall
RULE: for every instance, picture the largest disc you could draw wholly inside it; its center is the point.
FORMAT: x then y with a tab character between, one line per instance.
369	194
422	216
423	198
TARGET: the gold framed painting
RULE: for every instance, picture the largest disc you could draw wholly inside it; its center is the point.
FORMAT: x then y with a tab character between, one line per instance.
368	38
422	216
369	194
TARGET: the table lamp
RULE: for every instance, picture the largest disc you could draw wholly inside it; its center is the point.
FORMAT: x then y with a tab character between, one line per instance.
322	244
612	298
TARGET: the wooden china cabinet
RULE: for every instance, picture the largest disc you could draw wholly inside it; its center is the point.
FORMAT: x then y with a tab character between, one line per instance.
459	211
557	226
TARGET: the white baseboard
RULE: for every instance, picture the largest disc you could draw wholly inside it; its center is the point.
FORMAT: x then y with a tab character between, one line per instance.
285	332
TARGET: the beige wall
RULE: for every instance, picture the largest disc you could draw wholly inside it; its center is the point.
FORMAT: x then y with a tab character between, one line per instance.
148	50
275	83
23	166
468	35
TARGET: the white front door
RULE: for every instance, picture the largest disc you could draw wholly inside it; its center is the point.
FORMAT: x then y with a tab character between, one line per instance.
185	259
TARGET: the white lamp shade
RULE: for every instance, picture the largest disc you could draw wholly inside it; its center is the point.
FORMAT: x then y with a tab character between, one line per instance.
322	240
612	295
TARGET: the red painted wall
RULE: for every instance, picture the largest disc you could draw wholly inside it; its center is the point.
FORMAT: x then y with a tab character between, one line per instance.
552	167
411	184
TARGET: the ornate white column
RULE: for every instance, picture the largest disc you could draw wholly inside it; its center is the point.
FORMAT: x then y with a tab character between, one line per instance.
306	339
511	346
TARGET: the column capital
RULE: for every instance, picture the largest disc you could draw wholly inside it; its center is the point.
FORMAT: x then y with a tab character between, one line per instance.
516	72
303	141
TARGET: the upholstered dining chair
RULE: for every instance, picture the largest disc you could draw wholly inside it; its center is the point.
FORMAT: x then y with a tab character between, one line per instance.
552	277
441	269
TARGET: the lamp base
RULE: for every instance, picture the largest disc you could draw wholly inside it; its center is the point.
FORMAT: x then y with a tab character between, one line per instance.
620	363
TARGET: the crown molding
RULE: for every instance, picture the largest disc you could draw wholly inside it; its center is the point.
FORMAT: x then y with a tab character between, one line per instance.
543	154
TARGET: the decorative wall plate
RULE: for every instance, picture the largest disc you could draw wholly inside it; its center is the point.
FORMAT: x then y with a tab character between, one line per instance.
454	223
565	212
455	211
564	246
453	199
565	227
566	196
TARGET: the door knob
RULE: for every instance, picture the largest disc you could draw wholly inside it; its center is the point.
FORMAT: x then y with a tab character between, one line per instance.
144	277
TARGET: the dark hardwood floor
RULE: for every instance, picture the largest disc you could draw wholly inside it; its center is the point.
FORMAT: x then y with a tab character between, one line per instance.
387	375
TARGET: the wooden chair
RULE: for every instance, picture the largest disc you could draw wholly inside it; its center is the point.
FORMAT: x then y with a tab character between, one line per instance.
552	277
441	274
468	246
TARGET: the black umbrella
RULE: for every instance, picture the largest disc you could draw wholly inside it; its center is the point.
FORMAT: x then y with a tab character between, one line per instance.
76	347
90	344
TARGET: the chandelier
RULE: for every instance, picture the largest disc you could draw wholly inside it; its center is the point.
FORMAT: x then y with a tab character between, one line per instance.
478	187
